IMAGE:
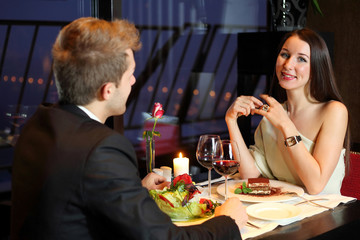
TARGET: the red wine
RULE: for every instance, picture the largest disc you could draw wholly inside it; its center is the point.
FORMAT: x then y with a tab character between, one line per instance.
225	167
205	161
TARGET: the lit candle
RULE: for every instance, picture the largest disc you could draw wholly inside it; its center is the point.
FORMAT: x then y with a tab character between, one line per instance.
181	165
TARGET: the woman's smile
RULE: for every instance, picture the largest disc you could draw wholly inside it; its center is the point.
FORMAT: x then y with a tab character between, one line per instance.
287	76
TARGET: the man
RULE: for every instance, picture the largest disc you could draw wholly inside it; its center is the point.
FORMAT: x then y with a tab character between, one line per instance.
75	178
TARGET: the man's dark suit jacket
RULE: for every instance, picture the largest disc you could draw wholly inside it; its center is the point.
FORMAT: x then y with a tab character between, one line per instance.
75	178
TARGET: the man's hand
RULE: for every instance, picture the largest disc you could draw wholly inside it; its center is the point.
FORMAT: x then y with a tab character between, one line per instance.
234	209
154	181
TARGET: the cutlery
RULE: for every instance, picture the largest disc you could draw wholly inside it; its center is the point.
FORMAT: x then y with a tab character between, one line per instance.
309	200
312	200
250	224
219	181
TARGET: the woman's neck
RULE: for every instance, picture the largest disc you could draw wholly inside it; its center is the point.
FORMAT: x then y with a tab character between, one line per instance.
296	102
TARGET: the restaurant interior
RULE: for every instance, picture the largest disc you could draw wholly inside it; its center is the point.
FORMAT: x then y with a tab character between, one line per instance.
197	57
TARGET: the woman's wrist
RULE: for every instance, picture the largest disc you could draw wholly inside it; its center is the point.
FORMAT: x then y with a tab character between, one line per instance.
288	129
230	120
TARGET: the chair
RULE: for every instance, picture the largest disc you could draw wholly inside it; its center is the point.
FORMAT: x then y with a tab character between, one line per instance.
5	210
351	183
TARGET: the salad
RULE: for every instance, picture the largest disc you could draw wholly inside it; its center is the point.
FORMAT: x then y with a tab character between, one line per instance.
181	200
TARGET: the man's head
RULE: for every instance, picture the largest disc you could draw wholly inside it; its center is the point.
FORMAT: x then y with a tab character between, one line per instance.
89	53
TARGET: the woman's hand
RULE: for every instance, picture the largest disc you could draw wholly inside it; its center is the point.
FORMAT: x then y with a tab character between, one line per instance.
275	114
243	105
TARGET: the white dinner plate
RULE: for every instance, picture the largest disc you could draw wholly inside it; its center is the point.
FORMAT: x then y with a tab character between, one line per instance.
284	186
190	222
273	211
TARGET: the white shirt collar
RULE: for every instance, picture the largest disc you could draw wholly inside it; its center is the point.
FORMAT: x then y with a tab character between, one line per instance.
90	114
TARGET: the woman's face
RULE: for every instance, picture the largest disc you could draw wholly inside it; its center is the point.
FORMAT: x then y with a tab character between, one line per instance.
293	64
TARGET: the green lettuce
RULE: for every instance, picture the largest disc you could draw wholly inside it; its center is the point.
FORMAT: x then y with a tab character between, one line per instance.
190	210
179	202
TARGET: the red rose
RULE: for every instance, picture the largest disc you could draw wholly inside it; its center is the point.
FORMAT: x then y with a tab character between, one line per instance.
184	177
157	111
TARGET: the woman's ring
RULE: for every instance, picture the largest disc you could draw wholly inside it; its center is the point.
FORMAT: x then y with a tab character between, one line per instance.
265	107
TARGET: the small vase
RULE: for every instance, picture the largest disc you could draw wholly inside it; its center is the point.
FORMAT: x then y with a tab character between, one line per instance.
150	156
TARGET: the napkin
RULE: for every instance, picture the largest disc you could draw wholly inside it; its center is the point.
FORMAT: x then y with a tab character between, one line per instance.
265	226
307	210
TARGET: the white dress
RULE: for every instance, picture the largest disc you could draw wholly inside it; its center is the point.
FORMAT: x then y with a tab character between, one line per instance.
273	161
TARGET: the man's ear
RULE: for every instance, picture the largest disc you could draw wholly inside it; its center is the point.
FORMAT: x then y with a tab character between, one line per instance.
106	90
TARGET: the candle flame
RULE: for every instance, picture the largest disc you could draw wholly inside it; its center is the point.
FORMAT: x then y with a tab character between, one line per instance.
180	155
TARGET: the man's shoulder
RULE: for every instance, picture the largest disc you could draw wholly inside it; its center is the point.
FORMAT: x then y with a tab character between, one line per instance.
69	122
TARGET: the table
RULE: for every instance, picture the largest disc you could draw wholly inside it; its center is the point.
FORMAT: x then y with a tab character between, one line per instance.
341	223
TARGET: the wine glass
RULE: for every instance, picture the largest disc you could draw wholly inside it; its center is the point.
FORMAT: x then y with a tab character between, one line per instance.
208	149
227	164
16	115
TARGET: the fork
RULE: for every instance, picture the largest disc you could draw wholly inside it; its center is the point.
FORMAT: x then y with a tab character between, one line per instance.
312	200
248	223
309	200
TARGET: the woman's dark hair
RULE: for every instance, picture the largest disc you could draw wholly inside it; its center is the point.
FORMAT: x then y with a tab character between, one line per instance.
322	79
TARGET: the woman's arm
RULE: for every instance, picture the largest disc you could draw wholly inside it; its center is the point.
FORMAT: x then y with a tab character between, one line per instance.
314	170
318	168
243	105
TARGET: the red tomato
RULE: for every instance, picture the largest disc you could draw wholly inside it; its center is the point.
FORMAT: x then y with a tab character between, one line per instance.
208	203
166	200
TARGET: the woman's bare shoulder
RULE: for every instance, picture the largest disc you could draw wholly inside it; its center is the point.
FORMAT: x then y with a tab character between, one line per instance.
335	110
335	107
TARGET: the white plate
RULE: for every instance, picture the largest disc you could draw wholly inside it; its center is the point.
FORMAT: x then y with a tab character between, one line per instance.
273	211
190	222
284	186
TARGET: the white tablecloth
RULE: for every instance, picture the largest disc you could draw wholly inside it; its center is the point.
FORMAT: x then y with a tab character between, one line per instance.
307	210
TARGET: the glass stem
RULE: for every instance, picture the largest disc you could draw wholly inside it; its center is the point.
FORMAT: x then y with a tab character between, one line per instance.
209	186
226	189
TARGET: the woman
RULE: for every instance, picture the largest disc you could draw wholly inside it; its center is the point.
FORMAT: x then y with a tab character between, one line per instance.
301	140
